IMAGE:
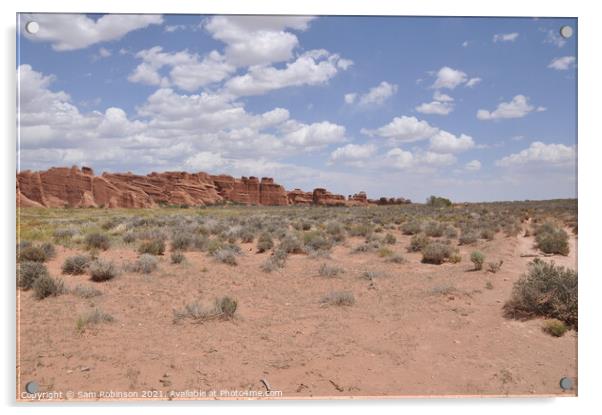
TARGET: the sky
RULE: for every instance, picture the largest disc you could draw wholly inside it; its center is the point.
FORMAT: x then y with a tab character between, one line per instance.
474	109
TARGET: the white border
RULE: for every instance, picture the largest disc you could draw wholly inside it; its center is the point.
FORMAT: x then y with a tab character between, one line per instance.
590	199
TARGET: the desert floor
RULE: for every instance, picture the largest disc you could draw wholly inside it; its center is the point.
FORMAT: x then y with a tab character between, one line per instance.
417	329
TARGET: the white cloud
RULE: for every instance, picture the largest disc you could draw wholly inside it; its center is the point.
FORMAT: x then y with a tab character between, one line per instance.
205	161
404	130
465	44
473	82
541	153
104	53
438	96
554	38
435	107
505	37
188	71
444	142
378	94
562	64
257	40
399	159
473	165
449	78
517	108
353	152
350	98
314	67
77	31
311	136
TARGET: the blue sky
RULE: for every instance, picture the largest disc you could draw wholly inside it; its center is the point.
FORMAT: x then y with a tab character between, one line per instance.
475	109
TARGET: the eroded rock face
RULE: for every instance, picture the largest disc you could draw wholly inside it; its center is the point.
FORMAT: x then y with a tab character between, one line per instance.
322	197
299	197
75	187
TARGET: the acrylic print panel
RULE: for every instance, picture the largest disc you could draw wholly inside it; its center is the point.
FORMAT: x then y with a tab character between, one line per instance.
286	207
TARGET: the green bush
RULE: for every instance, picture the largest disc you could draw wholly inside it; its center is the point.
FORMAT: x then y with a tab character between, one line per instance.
102	270
97	241
32	254
152	246
438	202
554	327
76	265
546	290
30	271
46	286
477	259
264	242
552	240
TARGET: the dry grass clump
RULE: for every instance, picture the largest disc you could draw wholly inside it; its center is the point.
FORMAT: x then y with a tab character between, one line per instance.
434	229
330	270
291	244
467	238
411	228
85	291
316	241
30	271
181	241
418	242
46	286
177	257
226	255
275	261
338	298
436	253
477	258
494	267
546	290
145	264
152	247
223	308
554	327
32	254
97	241
76	264
94	317
102	270
264	242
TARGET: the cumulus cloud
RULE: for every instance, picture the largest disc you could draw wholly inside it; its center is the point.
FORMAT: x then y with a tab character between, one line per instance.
473	82
444	142
473	165
505	37
562	64
350	97
404	130
518	107
449	78
257	40
378	94
403	160
77	31
314	67
188	71
353	152
541	153
435	107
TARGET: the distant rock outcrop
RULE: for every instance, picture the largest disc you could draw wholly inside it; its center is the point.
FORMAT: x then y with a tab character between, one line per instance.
80	188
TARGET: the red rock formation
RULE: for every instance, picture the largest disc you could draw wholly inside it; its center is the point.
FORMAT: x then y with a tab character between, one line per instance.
322	197
299	197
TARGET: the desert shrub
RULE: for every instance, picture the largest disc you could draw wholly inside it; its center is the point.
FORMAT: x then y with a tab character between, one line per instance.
489	285
291	244
214	245
384	252
467	238
367	247
85	291
494	267
396	259
46	286
264	242
370	275
97	241
438	202
418	242
30	271
390	239
32	254
226	256
316	241
412	227
62	234
301	225
246	235
223	308
554	327
102	270
49	250
436	253
361	229
336	231
552	240
181	241
93	317
152	246
546	290
129	237
76	264
477	259
110	223
455	258
487	233
275	261
177	257
200	242
450	232
434	229
329	270
146	264
338	298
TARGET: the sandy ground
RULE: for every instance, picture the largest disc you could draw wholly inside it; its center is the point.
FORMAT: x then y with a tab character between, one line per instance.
416	330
